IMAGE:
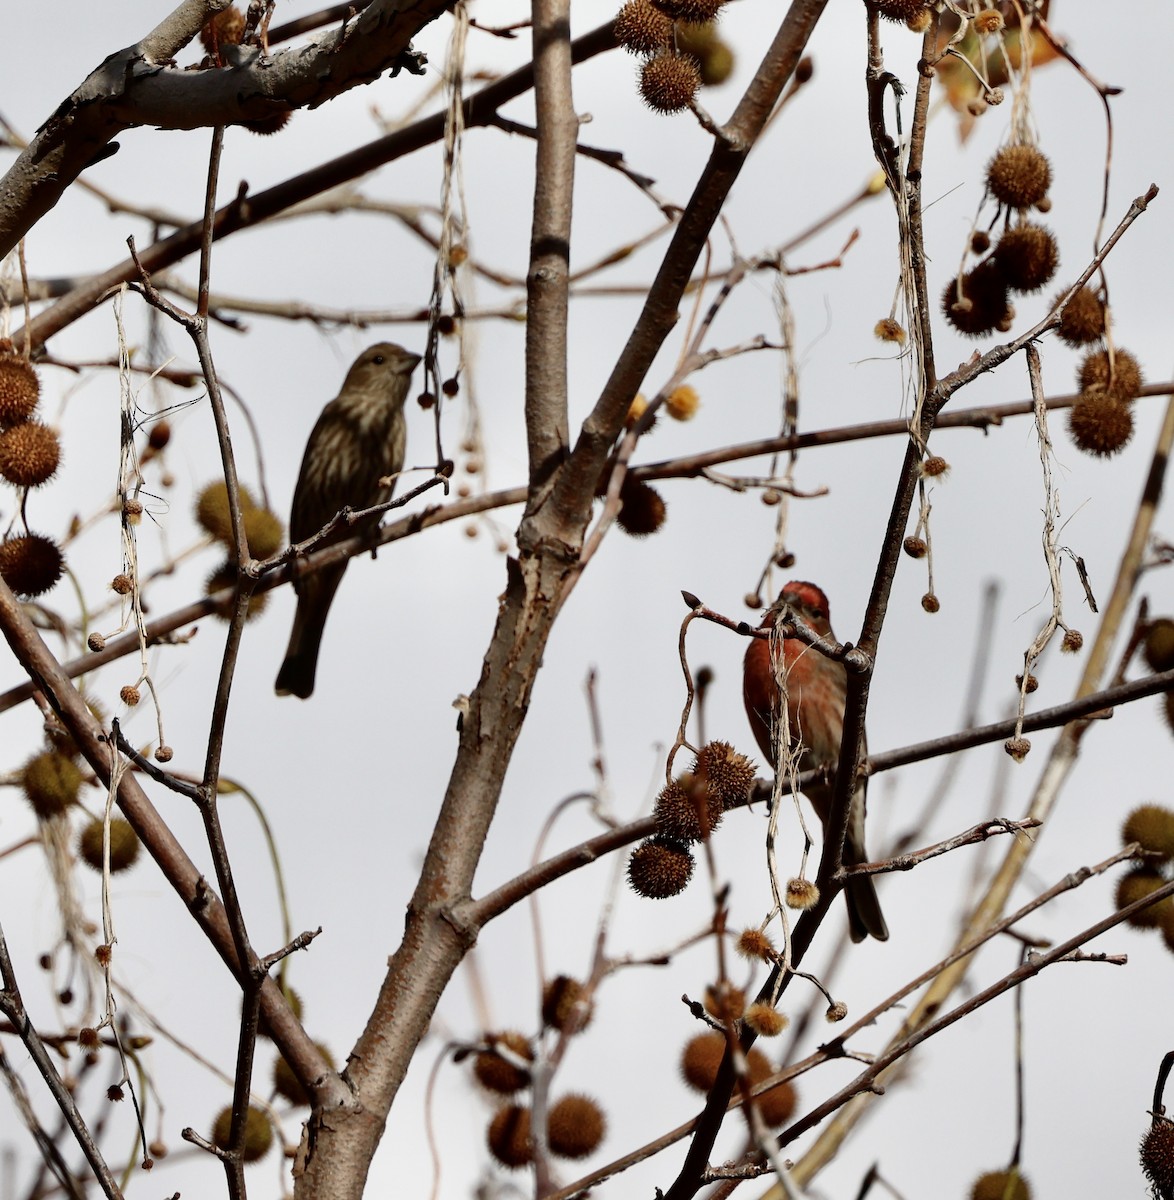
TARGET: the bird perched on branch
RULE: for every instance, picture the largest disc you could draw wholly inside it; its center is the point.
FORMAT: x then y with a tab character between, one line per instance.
815	688
357	441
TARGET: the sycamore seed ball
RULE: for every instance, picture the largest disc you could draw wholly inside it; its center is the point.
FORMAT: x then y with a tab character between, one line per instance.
1001	1185
1136	885
495	1072
575	1126
1100	425
900	10
566	1005
669	81
124	844
258	1133
30	563
1019	176
1083	321
688	810
20	389
29	454
1157	1157
659	868
1119	380
1152	827
1159	645
641	28
51	782
509	1136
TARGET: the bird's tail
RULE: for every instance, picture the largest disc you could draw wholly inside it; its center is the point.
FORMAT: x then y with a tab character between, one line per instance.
865	918
296	677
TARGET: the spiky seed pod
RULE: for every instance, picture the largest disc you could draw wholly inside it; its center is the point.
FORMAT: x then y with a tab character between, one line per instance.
566	1005
225	577
899	10
980	241
498	1074
124	844
765	1020
669	81
1032	684
641	28
777	1105
212	513
717	64
692	12
977	304
1152	826
1100	425
730	775
20	389
287	1085
1001	1185
159	435
29	454
701	1058
1072	642
575	1126
801	894
509	1136
636	410
1136	885
293	999
226	28
268	126
1083	321
755	945
934	467
915	547
725	1002
642	508
836	1012
682	403
1157	1157
1120	382
659	868
988	21
920	22
930	603
1159	644
51	782
1027	256
688	810
30	563
888	330
264	531
258	1133
1019	176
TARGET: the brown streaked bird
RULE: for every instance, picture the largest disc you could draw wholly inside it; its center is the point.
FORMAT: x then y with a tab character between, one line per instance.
816	691
358	440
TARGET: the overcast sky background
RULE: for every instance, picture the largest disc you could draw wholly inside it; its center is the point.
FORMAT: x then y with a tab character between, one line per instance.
352	779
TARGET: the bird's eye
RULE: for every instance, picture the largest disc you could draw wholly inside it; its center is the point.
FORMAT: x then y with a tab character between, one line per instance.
379	360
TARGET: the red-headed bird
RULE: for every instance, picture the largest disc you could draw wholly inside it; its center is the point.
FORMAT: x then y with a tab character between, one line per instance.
816	691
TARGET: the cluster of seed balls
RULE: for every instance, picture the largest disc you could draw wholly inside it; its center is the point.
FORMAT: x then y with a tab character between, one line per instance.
688	810
1025	257
263	531
678	42
575	1124
30	453
1152	827
52	781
